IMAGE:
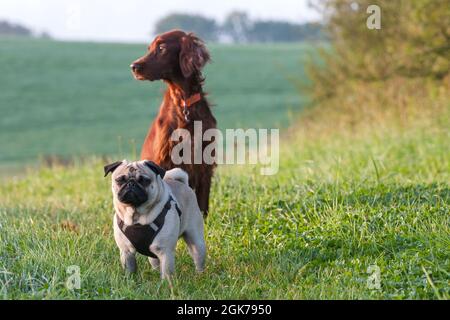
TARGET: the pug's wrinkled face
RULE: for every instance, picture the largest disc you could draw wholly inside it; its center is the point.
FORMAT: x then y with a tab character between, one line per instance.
135	187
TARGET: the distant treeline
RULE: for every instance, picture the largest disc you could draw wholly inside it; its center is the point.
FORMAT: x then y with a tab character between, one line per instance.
17	30
239	28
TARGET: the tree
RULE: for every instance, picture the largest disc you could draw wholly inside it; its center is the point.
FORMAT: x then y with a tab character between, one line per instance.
204	27
413	39
281	31
10	29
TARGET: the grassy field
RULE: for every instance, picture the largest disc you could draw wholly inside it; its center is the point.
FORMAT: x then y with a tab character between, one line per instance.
63	99
340	203
361	184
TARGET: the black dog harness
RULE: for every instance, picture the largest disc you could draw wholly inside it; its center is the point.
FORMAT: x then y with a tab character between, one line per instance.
142	236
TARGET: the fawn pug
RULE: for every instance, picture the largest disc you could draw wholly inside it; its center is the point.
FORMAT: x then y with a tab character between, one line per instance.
153	209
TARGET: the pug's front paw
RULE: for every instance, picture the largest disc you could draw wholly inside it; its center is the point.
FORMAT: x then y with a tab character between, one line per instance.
128	261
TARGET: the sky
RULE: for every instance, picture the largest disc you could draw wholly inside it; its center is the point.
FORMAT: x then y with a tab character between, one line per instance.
133	20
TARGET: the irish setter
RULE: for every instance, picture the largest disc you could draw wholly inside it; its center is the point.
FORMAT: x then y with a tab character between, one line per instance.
177	58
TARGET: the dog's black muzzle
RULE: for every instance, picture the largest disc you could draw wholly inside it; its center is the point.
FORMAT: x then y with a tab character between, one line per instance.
132	193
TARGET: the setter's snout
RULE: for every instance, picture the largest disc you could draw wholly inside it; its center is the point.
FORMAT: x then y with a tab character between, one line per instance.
135	67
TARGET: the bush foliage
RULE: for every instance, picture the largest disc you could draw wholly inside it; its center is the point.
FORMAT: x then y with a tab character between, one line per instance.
413	42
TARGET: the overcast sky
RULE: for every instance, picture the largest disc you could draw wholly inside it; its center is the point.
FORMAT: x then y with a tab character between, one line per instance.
133	20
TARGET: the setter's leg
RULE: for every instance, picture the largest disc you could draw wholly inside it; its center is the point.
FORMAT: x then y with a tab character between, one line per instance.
202	191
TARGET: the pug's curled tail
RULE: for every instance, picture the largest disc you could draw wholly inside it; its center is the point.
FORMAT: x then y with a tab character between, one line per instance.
178	175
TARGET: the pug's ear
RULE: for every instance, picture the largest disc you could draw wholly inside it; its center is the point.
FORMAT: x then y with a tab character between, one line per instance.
111	167
155	168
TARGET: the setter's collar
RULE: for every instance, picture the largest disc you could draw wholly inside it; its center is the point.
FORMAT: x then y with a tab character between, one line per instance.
186	103
177	97
191	100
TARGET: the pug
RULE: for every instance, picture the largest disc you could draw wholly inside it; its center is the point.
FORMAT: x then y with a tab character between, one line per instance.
153	209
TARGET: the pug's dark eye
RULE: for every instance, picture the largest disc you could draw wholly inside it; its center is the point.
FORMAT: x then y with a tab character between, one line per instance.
144	180
121	180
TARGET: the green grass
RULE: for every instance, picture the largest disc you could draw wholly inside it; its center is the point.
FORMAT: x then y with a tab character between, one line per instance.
64	99
354	189
337	206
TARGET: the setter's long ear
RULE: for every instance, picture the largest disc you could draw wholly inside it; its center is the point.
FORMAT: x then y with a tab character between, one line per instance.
193	55
111	167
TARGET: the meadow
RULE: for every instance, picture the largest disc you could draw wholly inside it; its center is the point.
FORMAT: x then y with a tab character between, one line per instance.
60	99
360	190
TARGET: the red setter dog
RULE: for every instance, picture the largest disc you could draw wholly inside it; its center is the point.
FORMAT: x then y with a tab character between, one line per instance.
177	58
